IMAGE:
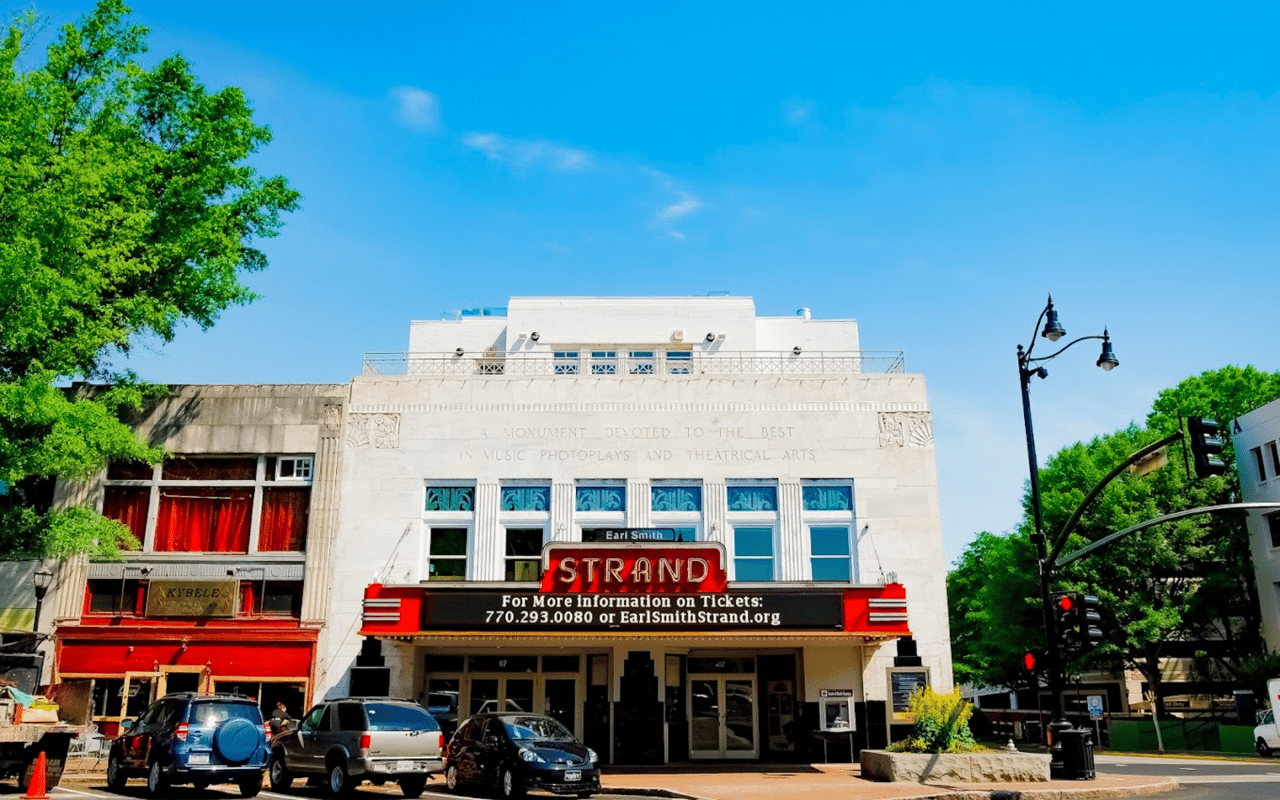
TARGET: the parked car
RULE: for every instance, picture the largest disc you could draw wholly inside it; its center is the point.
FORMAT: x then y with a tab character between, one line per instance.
1266	736
192	738
351	740
516	752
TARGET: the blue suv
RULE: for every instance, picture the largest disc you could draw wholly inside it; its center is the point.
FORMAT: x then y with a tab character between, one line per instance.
198	739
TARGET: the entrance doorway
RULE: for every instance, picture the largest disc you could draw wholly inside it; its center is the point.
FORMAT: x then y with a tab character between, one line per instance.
722	717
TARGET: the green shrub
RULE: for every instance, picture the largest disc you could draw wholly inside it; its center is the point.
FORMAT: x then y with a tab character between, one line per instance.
941	724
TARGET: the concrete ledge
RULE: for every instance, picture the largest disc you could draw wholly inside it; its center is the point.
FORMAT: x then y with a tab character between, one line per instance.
990	767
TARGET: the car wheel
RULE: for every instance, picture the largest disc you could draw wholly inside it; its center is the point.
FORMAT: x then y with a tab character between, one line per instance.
115	773
509	785
279	774
339	780
157	781
1263	750
451	781
413	787
200	786
249	787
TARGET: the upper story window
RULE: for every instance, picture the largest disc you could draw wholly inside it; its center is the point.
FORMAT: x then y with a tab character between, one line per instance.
752	498
526	498
679	362
1273	526
449	517
643	362
451	498
677	505
753	519
565	362
222	504
827	514
1274	449
604	362
602	498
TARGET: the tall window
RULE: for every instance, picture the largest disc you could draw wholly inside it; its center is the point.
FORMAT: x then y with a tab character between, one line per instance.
752	553
753	518
524	554
827	513
449	511
207	503
525	513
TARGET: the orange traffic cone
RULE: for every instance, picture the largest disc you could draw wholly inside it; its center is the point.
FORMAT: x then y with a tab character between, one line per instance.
36	789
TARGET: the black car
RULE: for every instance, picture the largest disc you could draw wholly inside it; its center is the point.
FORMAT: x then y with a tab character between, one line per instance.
192	738
515	752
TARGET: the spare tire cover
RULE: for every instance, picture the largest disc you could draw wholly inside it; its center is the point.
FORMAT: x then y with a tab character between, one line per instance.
236	740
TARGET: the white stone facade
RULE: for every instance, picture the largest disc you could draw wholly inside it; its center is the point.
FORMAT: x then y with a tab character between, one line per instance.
1256	436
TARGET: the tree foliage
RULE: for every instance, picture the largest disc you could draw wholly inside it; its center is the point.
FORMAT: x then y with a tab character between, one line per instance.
1167	591
127	209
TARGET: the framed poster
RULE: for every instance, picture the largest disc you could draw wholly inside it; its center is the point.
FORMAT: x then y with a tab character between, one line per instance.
903	681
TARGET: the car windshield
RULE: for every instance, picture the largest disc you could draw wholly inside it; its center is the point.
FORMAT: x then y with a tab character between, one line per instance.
216	713
395	717
539	728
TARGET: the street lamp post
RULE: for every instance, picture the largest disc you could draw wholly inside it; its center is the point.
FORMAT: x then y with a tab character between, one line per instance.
1028	367
41	580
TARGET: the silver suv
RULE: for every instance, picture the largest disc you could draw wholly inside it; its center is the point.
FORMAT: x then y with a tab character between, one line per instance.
357	739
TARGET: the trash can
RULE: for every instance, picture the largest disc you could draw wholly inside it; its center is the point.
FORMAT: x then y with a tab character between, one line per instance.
1077	754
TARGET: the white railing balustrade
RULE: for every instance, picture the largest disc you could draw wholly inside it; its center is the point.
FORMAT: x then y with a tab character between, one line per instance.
622	365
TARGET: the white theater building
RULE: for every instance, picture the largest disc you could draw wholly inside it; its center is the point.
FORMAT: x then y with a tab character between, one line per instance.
687	531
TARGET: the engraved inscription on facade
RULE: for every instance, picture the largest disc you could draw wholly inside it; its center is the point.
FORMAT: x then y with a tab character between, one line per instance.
905	429
374	431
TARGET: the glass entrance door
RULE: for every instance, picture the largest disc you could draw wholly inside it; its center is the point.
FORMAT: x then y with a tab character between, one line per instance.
722	717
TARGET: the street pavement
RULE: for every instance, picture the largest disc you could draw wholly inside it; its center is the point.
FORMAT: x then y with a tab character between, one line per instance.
720	782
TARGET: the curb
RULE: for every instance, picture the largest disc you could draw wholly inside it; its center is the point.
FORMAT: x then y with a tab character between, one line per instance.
952	792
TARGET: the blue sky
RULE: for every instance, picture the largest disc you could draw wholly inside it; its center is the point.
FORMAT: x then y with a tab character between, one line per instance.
932	170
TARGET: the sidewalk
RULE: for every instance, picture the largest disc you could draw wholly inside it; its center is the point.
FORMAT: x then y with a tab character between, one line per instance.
821	781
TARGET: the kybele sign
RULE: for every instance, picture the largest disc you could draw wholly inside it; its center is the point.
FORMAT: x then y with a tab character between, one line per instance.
737	610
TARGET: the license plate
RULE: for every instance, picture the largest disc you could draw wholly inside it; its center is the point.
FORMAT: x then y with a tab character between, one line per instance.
406	766
572	775
198	758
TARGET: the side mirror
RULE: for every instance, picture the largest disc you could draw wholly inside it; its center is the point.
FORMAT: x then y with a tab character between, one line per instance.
126	725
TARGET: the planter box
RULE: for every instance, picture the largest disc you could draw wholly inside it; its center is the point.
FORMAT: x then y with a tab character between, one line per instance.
995	766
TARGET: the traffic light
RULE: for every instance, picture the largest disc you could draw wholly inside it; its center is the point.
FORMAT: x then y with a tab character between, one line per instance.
1066	619
1030	659
1088	619
1205	447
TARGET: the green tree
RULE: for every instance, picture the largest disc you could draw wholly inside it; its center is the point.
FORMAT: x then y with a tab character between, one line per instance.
1165	591
127	209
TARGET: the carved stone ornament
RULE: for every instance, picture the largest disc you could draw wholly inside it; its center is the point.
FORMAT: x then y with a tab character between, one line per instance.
373	431
332	419
905	429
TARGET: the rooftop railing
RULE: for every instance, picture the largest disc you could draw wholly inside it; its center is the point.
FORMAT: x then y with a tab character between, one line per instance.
605	364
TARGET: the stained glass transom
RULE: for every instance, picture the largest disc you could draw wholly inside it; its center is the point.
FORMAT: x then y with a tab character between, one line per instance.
526	498
601	498
753	498
451	498
828	498
677	498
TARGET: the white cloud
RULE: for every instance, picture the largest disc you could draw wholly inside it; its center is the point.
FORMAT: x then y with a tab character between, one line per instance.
528	153
677	235
416	108
686	205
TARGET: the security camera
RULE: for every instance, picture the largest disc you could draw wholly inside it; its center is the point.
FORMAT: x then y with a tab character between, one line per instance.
533	336
711	337
458	352
796	349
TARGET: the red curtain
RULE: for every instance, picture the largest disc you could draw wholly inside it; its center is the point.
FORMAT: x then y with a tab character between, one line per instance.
284	519
204	520
128	505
